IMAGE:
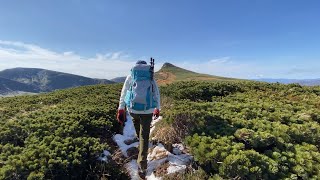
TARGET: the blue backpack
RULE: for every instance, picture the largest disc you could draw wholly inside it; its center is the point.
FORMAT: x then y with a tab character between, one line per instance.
141	96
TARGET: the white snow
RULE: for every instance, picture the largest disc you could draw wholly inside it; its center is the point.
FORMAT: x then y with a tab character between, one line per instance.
152	165
119	139
132	168
158	156
177	149
128	133
183	159
153	177
129	130
176	168
106	153
153	123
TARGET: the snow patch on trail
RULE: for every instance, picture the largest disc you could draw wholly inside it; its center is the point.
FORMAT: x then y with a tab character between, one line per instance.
129	130
129	133
153	123
177	149
176	168
119	139
132	168
158	156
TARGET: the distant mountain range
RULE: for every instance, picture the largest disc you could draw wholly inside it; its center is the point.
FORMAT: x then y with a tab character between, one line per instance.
170	73
303	82
119	79
34	80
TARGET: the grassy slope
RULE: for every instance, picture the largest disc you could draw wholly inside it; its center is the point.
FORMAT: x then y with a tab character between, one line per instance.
170	73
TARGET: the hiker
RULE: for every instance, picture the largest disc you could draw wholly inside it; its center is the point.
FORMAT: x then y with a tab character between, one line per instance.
140	96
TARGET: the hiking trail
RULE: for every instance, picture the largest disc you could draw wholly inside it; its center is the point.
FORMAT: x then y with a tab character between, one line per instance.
158	155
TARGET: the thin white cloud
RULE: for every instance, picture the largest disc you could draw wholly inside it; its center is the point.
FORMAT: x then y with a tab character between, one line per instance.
220	60
108	65
19	54
116	64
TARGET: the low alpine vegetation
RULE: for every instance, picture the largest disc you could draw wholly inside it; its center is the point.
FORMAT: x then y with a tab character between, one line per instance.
234	129
59	135
248	130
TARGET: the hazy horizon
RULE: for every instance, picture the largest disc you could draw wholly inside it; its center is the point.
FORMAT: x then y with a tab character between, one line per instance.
265	79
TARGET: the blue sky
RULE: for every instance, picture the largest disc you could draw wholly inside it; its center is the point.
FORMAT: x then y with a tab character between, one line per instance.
234	38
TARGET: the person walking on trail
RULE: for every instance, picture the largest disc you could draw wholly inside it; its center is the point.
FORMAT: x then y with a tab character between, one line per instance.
141	98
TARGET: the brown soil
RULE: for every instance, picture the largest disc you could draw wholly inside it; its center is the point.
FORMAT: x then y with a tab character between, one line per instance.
165	78
162	170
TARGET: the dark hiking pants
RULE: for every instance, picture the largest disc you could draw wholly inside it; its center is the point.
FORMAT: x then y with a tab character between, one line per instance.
142	124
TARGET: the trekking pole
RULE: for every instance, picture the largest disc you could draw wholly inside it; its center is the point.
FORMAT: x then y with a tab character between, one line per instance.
152	78
152	68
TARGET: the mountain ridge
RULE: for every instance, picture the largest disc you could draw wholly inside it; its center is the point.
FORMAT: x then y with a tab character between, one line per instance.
8	86
44	80
170	73
119	79
35	80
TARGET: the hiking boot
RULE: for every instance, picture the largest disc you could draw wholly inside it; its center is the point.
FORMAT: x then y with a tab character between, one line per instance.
133	153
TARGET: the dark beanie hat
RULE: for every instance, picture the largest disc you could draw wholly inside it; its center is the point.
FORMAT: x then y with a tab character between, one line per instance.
141	62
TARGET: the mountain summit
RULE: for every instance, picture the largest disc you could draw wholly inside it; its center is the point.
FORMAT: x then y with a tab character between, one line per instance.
170	73
172	68
168	65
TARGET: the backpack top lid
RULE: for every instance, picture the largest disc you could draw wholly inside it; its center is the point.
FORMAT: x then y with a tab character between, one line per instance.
141	72
141	62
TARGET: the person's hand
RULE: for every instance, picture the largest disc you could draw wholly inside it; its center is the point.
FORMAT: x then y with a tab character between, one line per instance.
121	116
156	113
